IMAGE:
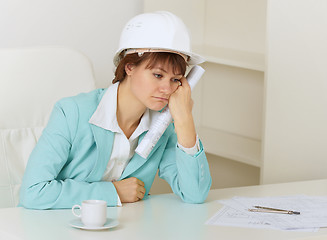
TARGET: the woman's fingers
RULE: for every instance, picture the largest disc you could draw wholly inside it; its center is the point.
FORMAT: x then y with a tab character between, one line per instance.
130	189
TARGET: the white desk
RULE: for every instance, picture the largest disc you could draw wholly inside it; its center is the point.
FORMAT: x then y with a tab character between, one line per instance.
158	217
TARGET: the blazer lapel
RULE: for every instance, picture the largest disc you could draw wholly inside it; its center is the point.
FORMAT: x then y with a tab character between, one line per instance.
137	161
104	141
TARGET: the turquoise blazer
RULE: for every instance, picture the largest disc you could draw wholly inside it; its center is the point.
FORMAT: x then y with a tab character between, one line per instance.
69	160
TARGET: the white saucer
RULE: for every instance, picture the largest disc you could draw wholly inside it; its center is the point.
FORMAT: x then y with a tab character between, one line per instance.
110	223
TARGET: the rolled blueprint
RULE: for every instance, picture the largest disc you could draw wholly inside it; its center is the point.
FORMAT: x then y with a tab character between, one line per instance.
159	126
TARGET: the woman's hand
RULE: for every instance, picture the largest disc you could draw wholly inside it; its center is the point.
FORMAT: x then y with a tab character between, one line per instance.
180	106
130	190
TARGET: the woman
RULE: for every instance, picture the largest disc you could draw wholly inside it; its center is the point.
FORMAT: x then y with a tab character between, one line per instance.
87	150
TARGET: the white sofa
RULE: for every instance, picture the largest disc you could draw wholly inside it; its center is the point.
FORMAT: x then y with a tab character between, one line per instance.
31	81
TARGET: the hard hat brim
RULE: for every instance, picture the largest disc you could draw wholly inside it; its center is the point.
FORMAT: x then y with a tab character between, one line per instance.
194	58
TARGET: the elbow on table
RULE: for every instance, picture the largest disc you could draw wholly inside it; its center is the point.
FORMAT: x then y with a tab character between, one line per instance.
28	201
194	199
196	196
31	198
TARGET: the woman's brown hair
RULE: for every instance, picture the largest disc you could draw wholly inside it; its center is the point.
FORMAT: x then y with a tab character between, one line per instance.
176	61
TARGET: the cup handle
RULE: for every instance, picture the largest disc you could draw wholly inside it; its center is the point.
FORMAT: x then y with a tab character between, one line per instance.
73	210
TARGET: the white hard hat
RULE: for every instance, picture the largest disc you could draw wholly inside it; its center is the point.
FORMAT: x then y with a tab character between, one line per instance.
156	32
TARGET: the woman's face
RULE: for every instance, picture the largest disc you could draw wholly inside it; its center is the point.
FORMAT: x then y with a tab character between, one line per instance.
153	87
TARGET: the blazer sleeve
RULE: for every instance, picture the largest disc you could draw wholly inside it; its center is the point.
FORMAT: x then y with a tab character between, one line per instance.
41	187
189	176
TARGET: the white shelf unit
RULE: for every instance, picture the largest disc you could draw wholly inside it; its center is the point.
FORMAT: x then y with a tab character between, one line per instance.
231	146
228	112
232	57
228	108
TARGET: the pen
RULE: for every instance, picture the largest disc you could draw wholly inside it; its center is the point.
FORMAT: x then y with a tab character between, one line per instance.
272	210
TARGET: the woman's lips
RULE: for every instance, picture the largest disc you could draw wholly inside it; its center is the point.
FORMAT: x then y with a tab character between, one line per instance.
161	99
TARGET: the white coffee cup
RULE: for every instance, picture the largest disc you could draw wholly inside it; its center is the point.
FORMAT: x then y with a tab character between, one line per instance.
93	212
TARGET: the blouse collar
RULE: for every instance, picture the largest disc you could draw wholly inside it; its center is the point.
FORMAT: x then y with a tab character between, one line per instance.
106	118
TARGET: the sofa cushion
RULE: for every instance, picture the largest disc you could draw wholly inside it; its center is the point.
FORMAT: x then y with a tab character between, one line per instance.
15	148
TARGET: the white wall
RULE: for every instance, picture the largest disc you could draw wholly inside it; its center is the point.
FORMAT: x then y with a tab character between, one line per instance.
295	136
91	26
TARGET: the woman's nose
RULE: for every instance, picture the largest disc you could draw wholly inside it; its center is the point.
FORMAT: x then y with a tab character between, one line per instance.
165	86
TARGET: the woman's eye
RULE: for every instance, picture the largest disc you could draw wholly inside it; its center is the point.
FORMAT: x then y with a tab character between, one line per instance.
176	80
157	75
